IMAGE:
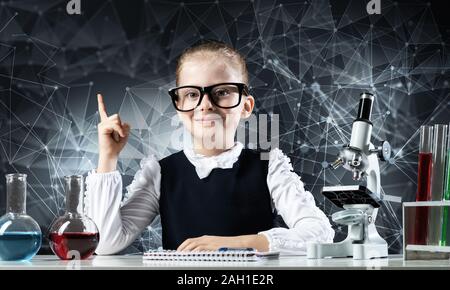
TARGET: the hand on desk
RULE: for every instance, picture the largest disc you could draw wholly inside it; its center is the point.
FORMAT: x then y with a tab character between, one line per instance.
213	243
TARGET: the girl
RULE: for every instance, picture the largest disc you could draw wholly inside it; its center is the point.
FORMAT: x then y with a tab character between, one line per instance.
214	193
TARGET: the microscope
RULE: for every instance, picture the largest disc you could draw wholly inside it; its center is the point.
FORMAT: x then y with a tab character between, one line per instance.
360	203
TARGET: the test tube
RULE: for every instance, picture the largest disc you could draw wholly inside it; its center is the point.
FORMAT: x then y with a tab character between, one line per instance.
425	163
420	230
445	232
437	182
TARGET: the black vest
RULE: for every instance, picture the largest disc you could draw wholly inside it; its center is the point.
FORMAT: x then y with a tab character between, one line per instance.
228	202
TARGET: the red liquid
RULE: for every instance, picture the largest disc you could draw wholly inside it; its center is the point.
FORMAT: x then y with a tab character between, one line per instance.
423	194
84	243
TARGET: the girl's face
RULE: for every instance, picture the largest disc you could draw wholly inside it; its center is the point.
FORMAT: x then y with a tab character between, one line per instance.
212	127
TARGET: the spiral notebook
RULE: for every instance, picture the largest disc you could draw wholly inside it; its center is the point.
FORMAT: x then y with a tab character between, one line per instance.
221	255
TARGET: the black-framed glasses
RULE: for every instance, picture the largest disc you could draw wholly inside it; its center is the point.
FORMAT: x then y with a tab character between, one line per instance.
223	95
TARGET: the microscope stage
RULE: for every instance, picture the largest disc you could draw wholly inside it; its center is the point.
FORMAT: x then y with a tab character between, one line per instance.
350	194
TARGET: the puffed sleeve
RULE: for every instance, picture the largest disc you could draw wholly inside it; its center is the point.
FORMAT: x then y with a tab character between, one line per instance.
306	222
120	223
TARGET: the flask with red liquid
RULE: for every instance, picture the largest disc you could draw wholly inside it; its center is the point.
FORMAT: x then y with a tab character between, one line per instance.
73	235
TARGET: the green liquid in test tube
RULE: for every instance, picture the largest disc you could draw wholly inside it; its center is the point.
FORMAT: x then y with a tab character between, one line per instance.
446	213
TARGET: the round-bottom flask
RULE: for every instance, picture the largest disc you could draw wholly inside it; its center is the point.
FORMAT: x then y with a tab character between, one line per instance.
20	234
73	235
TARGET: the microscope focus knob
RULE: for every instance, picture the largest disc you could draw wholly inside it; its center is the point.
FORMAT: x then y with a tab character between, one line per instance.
384	151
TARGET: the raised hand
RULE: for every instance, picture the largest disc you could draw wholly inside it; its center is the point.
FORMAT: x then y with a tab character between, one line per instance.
112	137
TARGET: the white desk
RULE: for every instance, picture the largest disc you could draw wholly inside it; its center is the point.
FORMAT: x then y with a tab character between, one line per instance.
286	262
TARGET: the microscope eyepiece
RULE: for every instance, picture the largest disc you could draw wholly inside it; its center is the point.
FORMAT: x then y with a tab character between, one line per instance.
365	106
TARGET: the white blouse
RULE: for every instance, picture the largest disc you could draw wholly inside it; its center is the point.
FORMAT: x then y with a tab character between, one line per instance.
120	223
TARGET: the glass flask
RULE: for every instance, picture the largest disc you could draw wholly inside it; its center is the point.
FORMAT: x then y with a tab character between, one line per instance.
73	235
20	234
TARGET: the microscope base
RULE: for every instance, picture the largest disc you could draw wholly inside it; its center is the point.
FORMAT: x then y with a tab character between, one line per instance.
347	248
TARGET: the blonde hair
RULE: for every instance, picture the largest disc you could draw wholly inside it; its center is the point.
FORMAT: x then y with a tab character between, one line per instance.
213	46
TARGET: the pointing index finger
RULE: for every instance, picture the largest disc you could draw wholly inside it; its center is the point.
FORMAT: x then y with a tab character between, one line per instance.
101	107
